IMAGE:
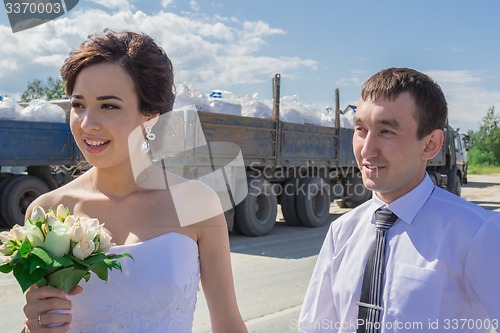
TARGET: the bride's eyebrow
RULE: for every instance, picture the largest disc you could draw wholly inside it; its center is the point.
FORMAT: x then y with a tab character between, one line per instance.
102	98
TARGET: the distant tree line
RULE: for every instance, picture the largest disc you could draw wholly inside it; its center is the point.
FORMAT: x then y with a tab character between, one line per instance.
485	148
48	89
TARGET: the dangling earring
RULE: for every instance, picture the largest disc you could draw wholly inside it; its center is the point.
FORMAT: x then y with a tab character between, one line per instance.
145	148
149	135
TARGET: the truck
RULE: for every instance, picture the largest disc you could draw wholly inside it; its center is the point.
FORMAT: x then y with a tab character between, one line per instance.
302	168
449	168
35	157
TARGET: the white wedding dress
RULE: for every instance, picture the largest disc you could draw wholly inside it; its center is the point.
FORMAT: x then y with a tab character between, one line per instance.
155	293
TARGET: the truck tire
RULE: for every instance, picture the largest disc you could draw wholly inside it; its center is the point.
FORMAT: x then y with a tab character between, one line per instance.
313	202
288	202
356	192
454	184
17	195
256	214
3	182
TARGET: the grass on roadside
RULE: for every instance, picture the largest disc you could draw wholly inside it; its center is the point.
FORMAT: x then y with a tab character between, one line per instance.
483	169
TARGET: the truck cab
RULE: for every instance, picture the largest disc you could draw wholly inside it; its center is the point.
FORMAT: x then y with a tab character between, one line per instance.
449	168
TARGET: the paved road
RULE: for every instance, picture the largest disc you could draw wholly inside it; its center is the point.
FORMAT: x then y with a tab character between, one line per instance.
271	273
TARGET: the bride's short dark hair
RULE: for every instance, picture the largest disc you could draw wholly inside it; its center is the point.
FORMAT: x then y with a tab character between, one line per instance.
147	64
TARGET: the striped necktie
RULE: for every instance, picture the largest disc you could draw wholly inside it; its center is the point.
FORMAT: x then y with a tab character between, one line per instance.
370	304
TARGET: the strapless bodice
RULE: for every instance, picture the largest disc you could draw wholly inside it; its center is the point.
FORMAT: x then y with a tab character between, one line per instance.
155	292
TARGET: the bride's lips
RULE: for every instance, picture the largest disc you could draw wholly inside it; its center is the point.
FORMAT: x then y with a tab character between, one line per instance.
94	145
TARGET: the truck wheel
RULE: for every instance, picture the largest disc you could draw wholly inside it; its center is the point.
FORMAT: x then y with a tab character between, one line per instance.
289	202
3	182
17	195
454	185
313	202
256	214
356	192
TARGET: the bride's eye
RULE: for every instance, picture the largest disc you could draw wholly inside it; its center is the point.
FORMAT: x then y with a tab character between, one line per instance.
109	107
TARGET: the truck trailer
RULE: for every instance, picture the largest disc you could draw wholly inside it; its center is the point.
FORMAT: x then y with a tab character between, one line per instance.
301	167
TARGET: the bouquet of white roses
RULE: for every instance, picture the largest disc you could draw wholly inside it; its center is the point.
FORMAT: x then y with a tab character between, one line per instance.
57	249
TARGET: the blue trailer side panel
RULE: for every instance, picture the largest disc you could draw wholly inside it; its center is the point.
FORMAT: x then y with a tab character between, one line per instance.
24	143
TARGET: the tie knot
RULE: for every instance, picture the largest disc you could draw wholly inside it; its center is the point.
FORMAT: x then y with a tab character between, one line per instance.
384	219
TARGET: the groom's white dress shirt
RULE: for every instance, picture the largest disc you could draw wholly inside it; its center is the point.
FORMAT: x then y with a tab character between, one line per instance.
442	273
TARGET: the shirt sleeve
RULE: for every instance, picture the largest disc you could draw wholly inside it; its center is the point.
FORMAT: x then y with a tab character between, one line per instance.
482	267
318	308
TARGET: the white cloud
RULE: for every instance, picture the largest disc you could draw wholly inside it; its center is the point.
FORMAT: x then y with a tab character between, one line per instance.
166	3
356	79
114	4
50	60
468	101
194	5
207	51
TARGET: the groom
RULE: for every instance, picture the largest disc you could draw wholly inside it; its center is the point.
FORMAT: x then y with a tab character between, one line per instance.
435	265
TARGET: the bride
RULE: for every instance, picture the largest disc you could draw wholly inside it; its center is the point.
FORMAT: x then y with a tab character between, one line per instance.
117	81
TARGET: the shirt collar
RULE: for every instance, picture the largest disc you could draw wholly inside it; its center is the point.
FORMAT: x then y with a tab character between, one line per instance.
407	206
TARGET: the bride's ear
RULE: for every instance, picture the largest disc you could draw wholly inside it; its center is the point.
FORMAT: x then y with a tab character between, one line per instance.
433	143
151	120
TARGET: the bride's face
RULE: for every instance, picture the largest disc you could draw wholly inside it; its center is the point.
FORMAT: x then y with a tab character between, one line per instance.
104	110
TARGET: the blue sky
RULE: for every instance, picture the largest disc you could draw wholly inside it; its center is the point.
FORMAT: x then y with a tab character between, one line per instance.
317	46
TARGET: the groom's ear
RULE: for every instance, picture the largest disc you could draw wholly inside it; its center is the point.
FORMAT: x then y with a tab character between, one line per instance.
433	143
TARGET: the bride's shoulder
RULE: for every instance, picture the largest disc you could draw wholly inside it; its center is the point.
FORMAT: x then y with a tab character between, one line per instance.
196	192
67	195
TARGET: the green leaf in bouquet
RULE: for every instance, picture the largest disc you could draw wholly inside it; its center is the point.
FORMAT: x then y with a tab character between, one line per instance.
41	258
24	277
62	261
118	256
86	277
94	258
66	279
6	268
36	263
79	264
37	274
101	270
25	248
113	264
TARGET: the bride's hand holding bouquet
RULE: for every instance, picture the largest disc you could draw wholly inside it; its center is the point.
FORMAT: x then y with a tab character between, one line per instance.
55	249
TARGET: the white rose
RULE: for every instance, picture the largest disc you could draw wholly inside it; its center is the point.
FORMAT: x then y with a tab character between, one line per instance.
57	241
6	236
37	213
5	251
70	220
34	235
5	259
83	249
77	233
91	226
105	240
18	232
62	212
52	220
